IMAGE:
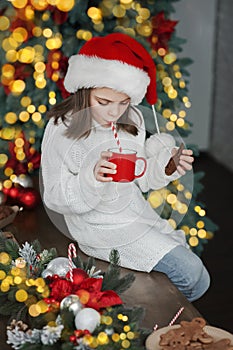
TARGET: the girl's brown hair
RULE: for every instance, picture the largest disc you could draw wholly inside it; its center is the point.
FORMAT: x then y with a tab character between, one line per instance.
77	106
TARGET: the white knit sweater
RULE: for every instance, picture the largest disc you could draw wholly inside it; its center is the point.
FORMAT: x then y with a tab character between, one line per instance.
102	216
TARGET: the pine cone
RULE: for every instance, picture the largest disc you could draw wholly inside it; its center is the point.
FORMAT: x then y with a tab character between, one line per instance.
19	324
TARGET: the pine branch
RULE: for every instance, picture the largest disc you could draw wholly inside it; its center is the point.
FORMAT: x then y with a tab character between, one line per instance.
78	262
11	294
136	314
111	277
37	246
9	308
2	243
114	257
67	346
89	263
22	313
12	248
112	280
5	268
67	320
124	283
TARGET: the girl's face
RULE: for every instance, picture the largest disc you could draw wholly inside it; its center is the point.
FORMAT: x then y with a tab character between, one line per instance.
109	105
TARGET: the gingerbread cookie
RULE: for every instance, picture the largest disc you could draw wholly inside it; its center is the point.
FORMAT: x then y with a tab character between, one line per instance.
192	336
174	161
194	330
223	344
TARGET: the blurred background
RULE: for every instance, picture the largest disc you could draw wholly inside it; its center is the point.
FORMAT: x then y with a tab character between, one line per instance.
191	43
207	26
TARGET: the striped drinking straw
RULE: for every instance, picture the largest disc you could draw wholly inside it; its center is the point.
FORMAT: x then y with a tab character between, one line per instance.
113	127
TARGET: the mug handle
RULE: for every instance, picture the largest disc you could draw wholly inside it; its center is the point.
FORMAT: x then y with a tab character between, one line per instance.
145	166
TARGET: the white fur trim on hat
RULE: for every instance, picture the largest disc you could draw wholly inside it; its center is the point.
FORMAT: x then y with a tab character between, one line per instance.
90	72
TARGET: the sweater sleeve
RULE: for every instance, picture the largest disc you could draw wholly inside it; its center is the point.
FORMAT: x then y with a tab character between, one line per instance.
69	188
157	151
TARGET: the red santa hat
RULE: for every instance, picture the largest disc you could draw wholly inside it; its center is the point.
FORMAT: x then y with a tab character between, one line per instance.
116	61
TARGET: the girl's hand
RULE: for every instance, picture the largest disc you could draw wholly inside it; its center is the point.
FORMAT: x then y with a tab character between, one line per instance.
104	167
185	160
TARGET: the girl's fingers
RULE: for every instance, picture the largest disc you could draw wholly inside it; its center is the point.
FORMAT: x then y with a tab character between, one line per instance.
106	154
103	178
187	152
187	159
106	164
104	167
185	165
180	170
103	170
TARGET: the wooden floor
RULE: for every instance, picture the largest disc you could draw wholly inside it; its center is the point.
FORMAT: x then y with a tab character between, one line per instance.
217	304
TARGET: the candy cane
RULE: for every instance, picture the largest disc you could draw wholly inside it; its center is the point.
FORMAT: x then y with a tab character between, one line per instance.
71	252
113	127
176	316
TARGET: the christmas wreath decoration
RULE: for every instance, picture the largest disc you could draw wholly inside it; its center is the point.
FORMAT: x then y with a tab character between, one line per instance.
64	303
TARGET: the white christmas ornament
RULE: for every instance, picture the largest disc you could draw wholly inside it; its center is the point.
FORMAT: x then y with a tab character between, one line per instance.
24	180
87	318
58	266
73	303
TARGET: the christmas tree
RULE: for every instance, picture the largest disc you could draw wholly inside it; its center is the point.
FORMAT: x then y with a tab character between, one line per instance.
38	36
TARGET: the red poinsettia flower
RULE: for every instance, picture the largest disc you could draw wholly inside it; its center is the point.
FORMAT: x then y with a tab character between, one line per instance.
60	288
89	292
78	275
162	31
92	284
99	300
91	295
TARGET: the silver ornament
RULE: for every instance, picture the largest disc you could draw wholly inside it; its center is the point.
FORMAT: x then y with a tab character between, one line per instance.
87	318
46	273
24	180
58	266
72	303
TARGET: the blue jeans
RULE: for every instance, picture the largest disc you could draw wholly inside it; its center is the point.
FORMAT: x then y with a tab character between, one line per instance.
186	270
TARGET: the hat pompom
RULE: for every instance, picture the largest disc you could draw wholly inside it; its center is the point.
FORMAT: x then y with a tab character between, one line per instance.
158	142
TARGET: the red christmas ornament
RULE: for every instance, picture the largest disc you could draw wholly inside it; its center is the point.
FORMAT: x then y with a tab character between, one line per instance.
73	339
78	276
13	192
29	198
6	191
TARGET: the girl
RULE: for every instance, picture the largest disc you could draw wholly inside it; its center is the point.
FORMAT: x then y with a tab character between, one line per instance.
108	77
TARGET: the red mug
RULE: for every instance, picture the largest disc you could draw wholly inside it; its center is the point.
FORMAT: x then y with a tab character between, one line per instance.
125	162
